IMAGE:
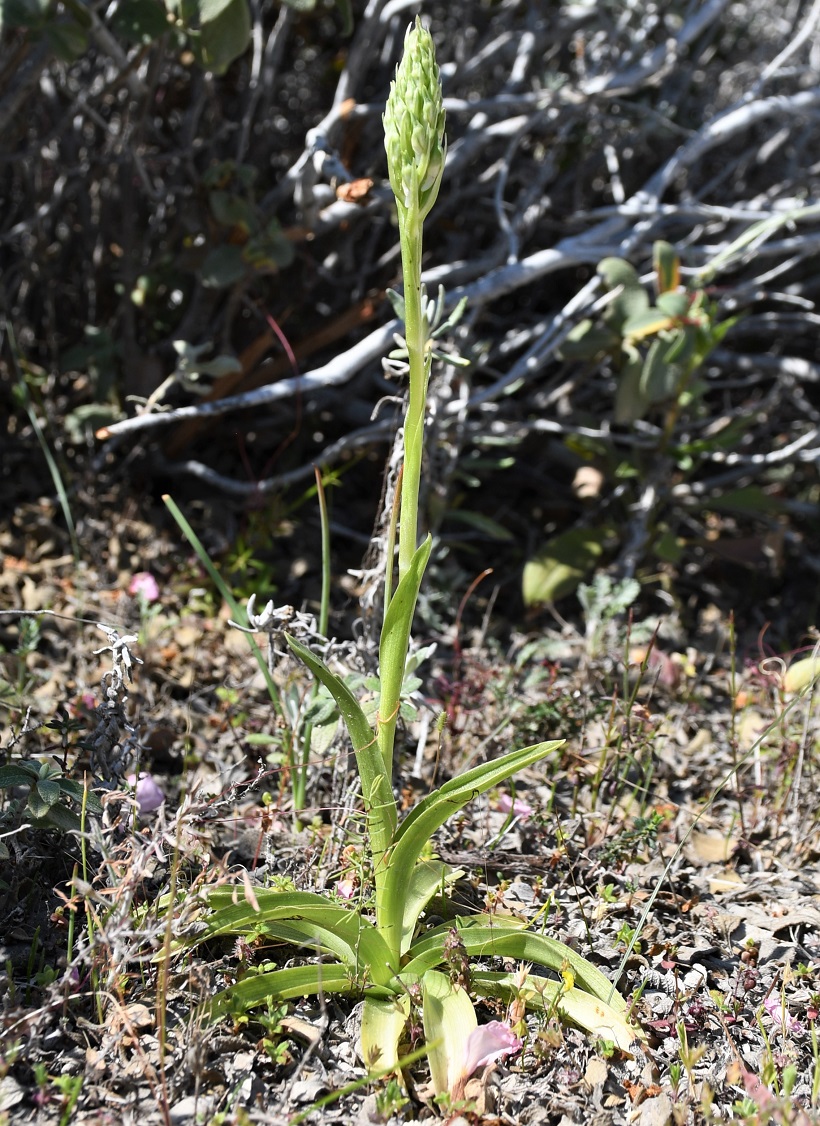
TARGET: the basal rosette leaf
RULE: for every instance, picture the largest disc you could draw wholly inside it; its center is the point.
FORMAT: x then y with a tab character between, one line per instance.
429	815
574	1005
309	920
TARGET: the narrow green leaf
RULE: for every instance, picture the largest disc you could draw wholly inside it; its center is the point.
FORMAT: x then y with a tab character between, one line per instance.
382	814
310	918
237	611
395	639
589	1013
284	985
428	878
420	824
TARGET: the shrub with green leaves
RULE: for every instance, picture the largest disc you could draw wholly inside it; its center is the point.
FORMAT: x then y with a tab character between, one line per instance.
49	799
655	348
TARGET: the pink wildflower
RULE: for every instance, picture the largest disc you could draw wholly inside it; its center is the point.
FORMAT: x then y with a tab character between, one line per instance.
145	585
148	794
781	1017
488	1043
519	807
346	889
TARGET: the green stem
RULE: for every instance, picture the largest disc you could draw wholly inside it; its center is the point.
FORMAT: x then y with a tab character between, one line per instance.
390	552
410	229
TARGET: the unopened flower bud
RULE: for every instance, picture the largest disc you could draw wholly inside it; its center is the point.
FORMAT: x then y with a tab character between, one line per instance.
414	124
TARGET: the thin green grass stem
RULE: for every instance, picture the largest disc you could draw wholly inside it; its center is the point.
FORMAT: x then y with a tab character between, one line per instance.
300	776
53	468
237	611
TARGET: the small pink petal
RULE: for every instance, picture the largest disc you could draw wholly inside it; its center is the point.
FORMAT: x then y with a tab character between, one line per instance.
346	889
519	807
488	1043
148	794
781	1017
144	583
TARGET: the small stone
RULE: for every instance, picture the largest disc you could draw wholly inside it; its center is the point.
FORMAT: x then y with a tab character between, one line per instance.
656	1112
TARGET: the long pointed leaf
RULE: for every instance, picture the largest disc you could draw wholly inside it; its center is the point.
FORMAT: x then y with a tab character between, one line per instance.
429	876
525	945
574	1005
284	985
377	791
341	930
395	639
420	824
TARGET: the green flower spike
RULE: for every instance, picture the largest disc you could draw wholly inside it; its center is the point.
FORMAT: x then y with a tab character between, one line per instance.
414	124
415	146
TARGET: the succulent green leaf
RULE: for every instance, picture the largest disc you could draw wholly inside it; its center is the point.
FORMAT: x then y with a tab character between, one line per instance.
617	271
383	1024
449	1018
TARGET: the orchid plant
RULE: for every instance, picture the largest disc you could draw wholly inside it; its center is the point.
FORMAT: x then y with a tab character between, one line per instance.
384	951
